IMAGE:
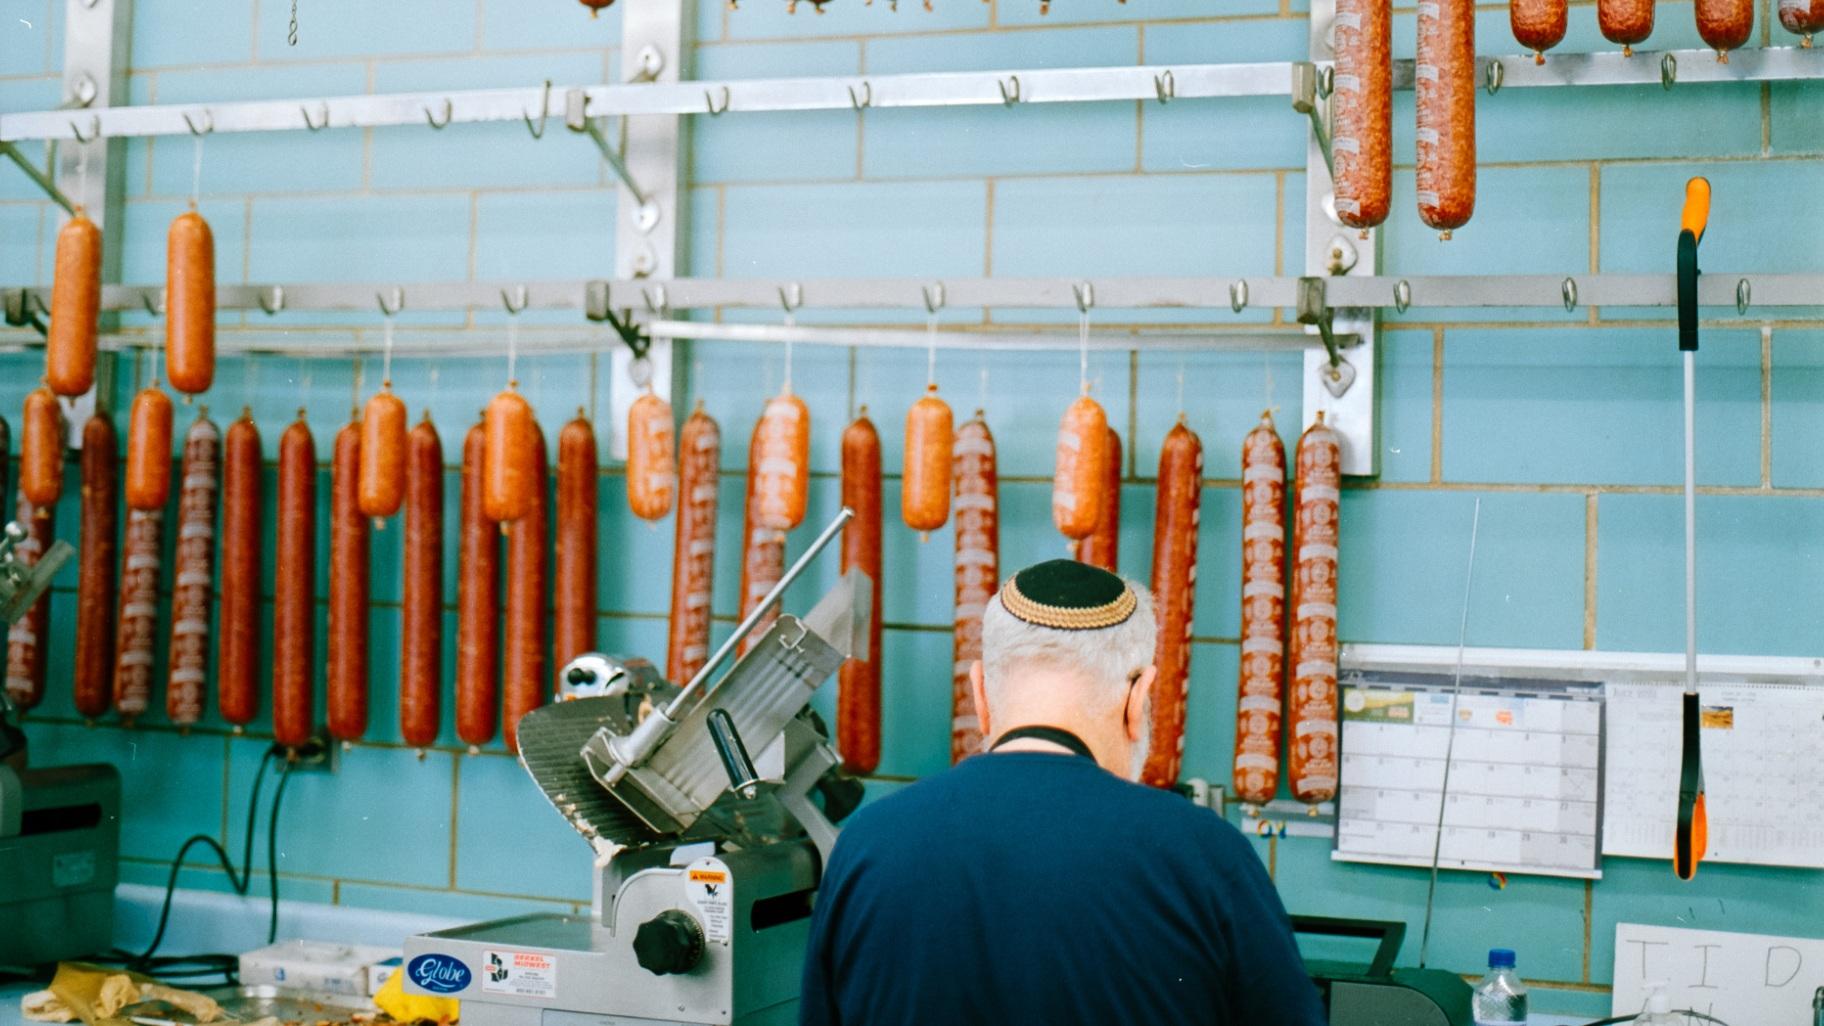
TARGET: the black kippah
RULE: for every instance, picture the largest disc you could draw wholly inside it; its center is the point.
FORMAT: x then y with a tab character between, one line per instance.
1064	594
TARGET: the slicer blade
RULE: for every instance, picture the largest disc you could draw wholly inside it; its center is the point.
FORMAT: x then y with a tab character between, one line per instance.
550	738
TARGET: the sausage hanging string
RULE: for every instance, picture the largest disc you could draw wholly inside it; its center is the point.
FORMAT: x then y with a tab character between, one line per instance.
1083	350
386	355
1450	734
196	173
512	352
931	349
786	388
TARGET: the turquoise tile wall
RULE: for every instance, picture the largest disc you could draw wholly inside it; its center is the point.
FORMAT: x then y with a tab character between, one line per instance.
1563	425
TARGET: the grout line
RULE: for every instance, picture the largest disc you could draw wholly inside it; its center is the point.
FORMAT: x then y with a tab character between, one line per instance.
1767	407
1437	406
1589	917
455	809
1590	535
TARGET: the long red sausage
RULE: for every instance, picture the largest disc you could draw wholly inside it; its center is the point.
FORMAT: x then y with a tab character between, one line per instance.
924	486
1538	25
858	694
137	626
575	599
1313	759
69	345
1361	108
294	588
93	672
350	549
1175	522
149	450
762	547
1724	24
190	303
693	566
1263	613
382	485
192	586
41	449
1625	21
1103	546
477	604
421	601
523	682
237	687
1445	84
1082	465
977	566
28	641
1803	18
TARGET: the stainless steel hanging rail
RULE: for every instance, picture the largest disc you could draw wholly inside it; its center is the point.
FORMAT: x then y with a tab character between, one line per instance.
1159	83
1219	296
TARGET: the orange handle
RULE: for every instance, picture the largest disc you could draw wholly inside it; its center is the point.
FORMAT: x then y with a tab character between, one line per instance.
1697	207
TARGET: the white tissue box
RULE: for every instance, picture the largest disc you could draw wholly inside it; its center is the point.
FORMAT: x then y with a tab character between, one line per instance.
320	967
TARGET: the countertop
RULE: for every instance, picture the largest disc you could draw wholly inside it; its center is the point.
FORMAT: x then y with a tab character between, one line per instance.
208	921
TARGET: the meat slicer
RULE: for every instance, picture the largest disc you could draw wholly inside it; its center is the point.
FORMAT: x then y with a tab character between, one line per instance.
59	827
706	856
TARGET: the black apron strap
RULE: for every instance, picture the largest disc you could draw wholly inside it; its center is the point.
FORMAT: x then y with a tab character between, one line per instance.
1055	735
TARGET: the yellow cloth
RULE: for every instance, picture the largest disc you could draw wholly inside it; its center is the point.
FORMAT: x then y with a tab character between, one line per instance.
95	994
394	1001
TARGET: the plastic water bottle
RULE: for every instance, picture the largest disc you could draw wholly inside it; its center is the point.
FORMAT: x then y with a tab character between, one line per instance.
1500	999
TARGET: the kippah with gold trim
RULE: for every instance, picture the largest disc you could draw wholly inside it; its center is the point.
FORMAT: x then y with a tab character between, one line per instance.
1066	595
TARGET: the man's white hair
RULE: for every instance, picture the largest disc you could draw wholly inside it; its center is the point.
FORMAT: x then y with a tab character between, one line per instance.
1105	660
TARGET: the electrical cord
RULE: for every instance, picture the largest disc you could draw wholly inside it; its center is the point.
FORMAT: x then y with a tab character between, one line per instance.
239	881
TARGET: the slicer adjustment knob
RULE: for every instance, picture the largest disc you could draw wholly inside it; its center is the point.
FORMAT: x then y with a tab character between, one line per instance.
670	942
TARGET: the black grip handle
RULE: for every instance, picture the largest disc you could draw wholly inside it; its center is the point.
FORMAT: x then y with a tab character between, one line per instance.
1390	932
735	761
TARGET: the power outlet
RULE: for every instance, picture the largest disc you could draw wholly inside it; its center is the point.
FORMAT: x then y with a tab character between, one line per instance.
321	754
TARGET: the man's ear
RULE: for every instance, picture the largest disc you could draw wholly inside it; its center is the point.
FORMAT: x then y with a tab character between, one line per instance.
978	691
1139	699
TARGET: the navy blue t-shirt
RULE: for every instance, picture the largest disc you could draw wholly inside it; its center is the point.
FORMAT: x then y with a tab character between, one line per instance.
1028	887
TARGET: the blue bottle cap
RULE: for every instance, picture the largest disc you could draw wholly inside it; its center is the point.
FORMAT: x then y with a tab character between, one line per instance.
1500	958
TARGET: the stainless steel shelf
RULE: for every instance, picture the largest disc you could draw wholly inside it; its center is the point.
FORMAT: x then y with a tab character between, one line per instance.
1158	83
1224	296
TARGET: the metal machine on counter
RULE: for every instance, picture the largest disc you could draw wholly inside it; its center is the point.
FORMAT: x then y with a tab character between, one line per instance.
706	857
59	827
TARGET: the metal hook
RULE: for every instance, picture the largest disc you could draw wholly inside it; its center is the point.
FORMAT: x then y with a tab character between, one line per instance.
1402	295
655	299
391	309
1494	76
711	102
273	300
449	111
1165	86
863	99
316	126
94	130
1010	90
1744	294
208	123
1238	295
1086	296
153	300
791	297
544	112
1326	81
1668	70
934	297
1569	291
516	300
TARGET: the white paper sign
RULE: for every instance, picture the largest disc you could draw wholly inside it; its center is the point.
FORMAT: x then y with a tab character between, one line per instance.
1736	977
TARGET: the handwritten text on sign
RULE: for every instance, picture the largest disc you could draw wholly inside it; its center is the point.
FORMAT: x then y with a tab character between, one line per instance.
1736	977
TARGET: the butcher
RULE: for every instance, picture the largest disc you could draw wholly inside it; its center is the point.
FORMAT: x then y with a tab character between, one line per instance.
1039	883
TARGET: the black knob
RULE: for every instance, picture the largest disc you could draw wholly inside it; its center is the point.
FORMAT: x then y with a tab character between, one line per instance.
670	942
579	675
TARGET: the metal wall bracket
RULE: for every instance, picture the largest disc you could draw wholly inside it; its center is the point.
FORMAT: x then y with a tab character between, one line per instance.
37	175
649	231
1344	388
91	172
